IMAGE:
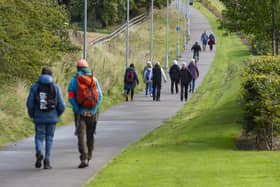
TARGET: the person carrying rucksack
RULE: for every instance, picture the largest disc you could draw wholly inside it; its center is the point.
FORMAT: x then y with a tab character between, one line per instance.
45	105
85	96
130	82
174	73
148	74
204	39
211	41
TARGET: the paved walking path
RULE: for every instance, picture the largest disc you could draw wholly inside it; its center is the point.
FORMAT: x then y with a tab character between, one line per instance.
118	127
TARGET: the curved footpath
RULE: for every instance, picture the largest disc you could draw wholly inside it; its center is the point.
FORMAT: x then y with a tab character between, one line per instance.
117	127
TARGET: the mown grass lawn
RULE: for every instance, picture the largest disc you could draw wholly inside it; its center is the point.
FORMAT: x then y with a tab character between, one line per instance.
197	146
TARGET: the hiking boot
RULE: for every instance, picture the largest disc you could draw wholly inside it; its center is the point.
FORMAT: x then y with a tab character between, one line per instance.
39	158
47	164
83	164
126	98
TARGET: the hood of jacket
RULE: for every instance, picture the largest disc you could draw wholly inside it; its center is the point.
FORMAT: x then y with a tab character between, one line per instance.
45	79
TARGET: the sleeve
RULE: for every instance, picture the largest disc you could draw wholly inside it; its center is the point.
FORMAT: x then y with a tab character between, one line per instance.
60	102
136	77
72	91
100	94
30	103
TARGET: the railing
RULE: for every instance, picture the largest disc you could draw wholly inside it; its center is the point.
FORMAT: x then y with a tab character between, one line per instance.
137	20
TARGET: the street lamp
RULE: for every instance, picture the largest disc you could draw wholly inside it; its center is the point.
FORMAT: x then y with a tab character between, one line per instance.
166	42
178	32
152	31
85	31
127	34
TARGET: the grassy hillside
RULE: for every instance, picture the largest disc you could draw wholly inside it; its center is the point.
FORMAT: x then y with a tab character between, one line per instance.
197	146
107	62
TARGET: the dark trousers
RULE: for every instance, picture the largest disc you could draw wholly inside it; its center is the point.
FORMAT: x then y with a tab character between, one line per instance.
131	94
156	91
86	130
184	91
174	83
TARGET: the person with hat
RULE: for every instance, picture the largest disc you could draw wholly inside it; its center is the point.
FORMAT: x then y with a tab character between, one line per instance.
45	105
85	96
174	73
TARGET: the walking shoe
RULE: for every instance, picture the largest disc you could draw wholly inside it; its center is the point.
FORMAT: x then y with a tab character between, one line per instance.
47	164
39	158
83	164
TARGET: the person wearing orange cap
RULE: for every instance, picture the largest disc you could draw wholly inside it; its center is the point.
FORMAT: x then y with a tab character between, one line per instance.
85	96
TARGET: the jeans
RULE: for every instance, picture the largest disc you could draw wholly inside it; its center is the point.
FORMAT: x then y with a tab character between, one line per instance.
86	130
192	86
44	132
184	91
174	83
148	88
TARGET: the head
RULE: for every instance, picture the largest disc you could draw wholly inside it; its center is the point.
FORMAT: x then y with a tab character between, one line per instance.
131	65
175	62
149	63
184	65
46	71
192	61
196	43
82	63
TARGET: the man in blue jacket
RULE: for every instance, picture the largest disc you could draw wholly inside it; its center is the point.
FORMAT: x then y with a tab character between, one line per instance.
45	105
85	115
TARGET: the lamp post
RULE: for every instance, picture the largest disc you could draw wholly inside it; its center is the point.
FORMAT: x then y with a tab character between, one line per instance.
127	34
85	31
166	42
152	30
178	31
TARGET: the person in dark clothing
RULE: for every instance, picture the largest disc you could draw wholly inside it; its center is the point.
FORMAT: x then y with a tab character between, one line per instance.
195	73
185	79
174	73
45	114
196	49
211	41
130	82
204	39
157	74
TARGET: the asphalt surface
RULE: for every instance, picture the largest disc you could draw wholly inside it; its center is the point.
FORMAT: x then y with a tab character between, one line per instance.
118	127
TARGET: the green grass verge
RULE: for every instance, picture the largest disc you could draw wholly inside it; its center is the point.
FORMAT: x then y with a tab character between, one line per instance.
197	146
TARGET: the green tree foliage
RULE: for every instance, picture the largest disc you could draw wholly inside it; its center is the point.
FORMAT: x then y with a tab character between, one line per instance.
253	18
32	33
261	93
102	13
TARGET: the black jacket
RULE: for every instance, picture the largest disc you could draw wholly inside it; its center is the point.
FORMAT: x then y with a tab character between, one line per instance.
185	76
174	72
157	75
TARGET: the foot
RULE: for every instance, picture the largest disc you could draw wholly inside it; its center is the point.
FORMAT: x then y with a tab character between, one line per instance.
47	164
83	164
39	158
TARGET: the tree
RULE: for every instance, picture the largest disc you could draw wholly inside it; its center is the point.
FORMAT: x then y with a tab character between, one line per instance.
254	18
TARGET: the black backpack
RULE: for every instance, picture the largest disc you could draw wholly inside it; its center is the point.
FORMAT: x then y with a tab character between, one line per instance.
46	97
129	78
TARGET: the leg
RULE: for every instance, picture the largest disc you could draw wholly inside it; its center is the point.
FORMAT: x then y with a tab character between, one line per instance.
172	85
182	91
176	86
91	127
193	85
39	137
50	129
132	94
154	91
82	144
186	91
158	92
147	88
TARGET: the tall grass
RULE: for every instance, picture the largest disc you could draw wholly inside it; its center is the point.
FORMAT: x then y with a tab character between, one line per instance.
107	62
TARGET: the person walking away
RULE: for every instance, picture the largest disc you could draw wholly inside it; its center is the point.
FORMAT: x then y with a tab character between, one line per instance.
45	104
130	82
185	79
148	64
85	97
204	39
211	41
158	74
148	74
196	49
174	73
195	73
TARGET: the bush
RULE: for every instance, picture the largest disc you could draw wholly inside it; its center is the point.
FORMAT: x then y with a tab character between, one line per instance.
261	93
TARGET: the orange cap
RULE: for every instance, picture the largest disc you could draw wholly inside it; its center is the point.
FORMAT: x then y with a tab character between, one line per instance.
82	63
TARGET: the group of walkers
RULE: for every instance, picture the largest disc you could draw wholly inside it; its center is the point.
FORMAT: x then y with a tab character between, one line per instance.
45	105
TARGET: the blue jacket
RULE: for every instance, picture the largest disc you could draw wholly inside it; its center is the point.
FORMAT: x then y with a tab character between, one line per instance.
34	111
73	90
